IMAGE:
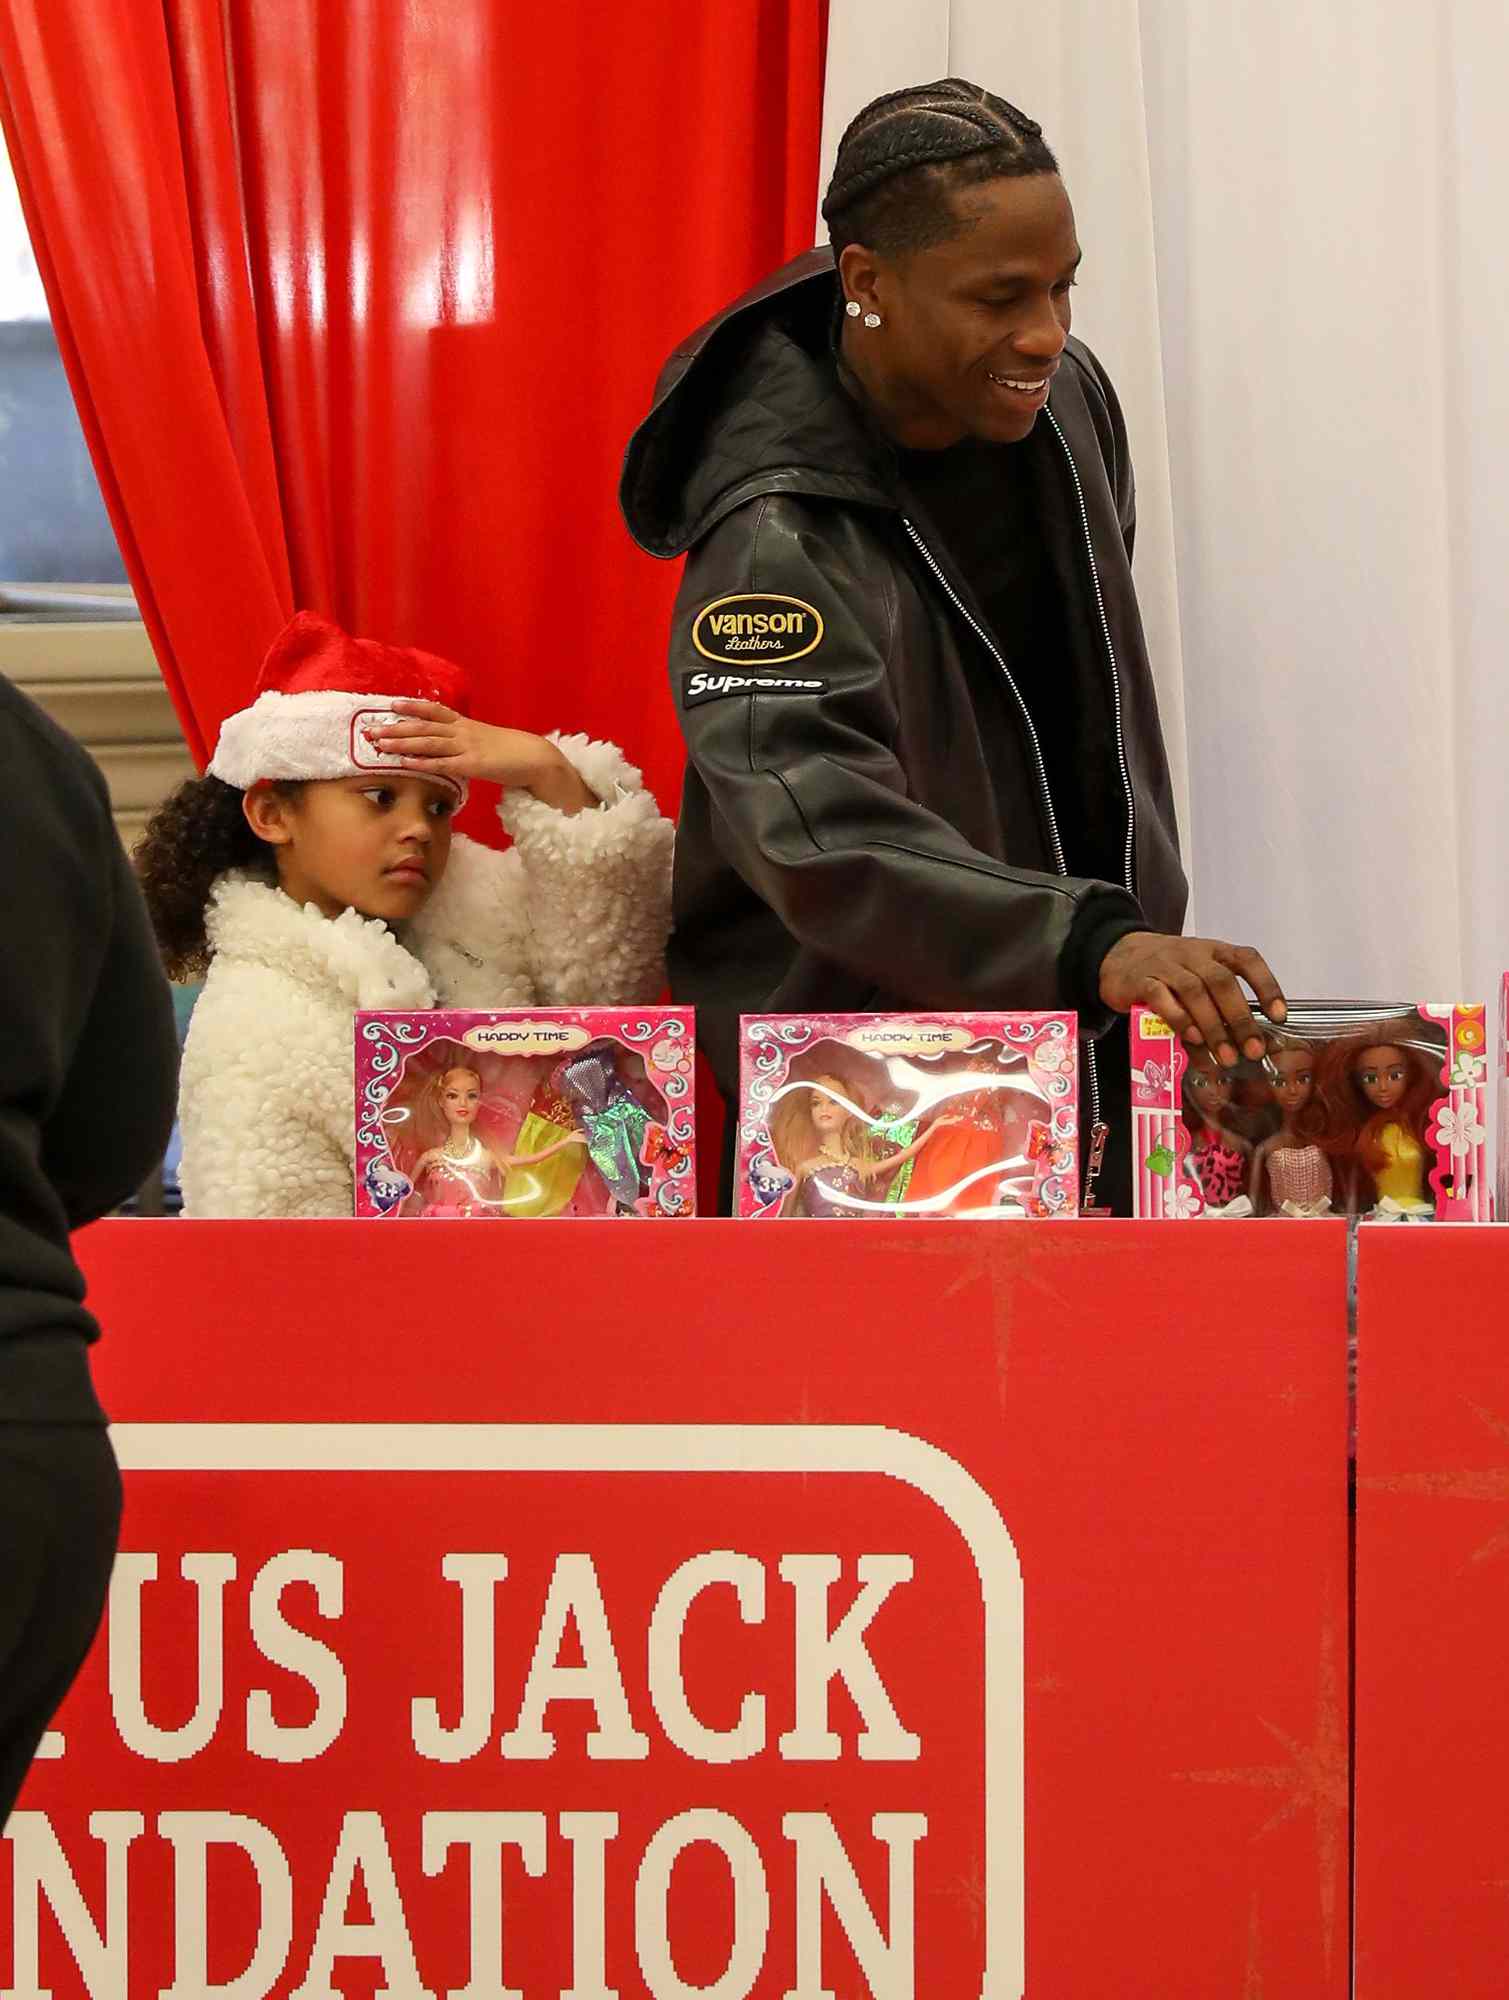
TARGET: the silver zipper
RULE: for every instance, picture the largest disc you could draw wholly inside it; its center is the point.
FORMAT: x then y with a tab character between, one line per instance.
1105	632
995	653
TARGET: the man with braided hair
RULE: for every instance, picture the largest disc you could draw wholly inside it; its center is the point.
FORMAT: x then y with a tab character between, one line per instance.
926	768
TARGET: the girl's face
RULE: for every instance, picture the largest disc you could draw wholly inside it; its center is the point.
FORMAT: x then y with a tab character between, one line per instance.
1382	1075
376	846
1296	1079
460	1096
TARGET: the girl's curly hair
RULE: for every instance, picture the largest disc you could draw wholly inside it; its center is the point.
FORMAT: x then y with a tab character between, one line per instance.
195	835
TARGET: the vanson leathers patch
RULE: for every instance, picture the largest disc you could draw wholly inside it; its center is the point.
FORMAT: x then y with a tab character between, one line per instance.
756	628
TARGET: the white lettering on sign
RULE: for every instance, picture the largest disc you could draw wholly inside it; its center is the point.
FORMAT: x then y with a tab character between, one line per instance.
678	1594
362	1851
40	1868
192	1835
297	1653
588	1835
823	1876
485	1835
709	1694
209	1575
751	1898
824	1871
823	1656
478	1576
575	1594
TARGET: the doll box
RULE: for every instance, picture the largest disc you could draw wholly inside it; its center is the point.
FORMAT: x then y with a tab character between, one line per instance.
1503	1096
876	1116
537	1112
1358	1109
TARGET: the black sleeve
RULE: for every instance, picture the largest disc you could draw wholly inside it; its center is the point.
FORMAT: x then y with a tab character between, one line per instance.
811	803
89	1064
124	1063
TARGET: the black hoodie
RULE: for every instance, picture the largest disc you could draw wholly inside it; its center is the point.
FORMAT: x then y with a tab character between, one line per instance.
88	1054
868	823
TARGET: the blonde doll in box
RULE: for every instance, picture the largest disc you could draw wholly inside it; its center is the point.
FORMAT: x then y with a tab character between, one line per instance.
464	1175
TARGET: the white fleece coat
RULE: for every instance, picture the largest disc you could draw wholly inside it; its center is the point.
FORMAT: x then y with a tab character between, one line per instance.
574	914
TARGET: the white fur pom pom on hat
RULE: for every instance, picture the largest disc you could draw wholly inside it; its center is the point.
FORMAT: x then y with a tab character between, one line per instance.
318	695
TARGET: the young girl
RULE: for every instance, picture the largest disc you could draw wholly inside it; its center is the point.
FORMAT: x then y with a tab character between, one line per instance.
313	872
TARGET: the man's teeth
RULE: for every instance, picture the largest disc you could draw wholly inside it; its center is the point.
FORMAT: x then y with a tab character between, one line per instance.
1007	382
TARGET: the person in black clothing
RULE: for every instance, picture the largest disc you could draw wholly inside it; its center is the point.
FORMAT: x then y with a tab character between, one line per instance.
926	768
88	1067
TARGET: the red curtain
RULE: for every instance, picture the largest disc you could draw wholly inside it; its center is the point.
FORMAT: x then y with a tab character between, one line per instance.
360	303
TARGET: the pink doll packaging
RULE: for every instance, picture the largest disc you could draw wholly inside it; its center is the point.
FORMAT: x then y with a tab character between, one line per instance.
1503	1208
539	1112
1356	1109
875	1116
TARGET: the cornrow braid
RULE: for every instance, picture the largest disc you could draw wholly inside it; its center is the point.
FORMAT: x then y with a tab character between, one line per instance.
906	152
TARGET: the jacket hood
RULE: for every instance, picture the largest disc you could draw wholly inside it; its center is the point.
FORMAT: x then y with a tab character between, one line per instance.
750	403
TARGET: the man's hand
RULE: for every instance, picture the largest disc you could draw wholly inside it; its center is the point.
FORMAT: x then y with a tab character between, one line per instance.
431	738
1192	983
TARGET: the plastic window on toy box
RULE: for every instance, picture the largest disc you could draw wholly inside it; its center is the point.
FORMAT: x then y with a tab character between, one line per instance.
865	1117
452	1128
1372	1111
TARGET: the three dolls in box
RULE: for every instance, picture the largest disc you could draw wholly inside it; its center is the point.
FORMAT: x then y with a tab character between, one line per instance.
1375	1111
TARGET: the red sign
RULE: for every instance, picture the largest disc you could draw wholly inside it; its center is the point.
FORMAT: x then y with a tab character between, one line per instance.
915	1611
1432	1615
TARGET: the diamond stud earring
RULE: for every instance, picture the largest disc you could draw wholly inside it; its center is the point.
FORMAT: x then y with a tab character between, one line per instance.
852	308
872	319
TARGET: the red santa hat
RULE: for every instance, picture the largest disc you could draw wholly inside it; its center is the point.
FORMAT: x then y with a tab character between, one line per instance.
318	695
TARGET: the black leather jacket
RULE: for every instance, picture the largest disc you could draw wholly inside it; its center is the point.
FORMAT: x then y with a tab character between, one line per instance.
849	841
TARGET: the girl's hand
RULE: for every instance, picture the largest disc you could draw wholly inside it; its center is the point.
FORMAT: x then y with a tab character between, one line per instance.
433	738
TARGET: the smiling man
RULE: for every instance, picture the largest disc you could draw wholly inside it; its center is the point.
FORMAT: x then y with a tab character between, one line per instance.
926	768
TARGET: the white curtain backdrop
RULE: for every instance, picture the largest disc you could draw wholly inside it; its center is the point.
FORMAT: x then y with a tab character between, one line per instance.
1296	274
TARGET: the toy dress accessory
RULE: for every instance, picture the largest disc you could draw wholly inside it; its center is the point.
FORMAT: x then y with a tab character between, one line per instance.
951	1167
613	1119
545	1187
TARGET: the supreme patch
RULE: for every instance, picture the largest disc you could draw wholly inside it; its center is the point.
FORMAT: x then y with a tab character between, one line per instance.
702	686
751	627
